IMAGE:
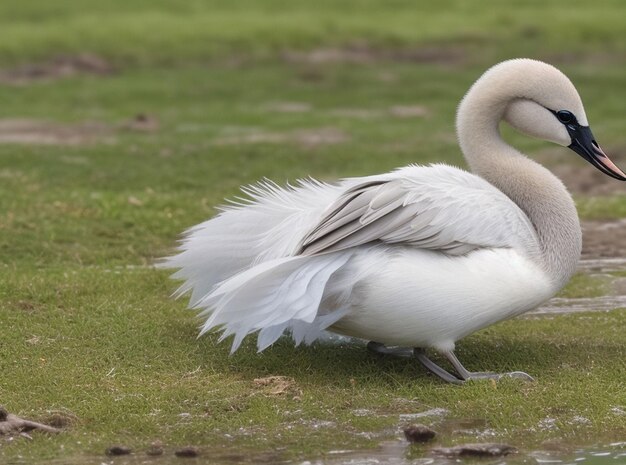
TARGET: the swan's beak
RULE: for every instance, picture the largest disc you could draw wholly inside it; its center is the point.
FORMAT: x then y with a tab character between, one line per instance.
585	145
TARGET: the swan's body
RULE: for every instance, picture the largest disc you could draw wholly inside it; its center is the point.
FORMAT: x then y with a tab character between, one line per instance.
418	257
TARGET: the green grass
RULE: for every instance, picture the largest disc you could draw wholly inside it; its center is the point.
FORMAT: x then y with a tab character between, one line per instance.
166	30
88	326
584	285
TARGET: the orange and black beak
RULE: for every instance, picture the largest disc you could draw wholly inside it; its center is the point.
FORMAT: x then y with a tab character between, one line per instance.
585	145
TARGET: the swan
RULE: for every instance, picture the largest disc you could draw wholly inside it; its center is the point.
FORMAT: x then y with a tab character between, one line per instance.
411	260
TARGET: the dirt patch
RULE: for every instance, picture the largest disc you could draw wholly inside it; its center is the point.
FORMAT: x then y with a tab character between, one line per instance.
364	53
409	111
288	107
57	68
35	132
356	113
309	138
277	385
40	132
396	111
582	178
604	239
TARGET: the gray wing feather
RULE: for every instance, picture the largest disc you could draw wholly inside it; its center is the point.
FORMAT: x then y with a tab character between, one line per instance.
454	218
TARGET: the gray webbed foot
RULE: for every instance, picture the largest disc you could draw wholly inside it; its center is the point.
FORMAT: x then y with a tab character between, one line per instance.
467	375
461	375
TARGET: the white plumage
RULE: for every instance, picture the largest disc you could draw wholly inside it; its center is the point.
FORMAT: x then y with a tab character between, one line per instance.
418	257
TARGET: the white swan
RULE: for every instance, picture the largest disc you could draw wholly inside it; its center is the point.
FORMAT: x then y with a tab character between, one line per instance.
419	257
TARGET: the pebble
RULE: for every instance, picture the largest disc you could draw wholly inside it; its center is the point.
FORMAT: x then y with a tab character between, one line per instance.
118	450
418	433
187	452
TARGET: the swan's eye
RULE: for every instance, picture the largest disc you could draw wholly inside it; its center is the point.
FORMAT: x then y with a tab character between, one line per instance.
565	117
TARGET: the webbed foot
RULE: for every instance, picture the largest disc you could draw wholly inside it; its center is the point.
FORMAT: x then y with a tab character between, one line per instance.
461	375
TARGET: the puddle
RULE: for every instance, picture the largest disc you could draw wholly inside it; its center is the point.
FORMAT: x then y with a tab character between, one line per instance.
401	453
396	452
601	268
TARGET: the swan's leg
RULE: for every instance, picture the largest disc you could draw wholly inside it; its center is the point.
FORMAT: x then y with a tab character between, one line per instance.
379	348
420	354
465	374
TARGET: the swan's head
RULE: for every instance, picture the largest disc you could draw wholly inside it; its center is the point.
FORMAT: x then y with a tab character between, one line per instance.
536	99
549	108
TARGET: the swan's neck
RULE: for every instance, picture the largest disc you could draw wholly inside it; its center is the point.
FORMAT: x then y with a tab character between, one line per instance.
538	193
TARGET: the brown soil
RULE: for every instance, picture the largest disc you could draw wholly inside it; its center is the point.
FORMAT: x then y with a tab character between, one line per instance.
56	68
36	132
409	111
396	111
356	113
40	132
288	107
582	178
309	138
277	385
364	53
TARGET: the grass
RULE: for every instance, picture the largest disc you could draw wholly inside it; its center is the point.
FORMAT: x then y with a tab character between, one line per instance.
168	31
89	328
584	285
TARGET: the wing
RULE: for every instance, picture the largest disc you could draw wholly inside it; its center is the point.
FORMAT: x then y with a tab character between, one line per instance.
436	207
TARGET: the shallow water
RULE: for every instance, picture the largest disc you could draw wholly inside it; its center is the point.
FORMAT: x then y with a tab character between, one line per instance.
401	453
616	292
396	452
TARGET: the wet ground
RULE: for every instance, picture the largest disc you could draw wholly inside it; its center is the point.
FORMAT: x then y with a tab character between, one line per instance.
393	452
401	453
608	271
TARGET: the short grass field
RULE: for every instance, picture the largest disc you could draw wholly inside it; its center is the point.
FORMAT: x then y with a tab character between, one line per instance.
104	164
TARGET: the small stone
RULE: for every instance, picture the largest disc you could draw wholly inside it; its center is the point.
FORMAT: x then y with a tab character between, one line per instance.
118	450
418	433
155	449
187	452
476	450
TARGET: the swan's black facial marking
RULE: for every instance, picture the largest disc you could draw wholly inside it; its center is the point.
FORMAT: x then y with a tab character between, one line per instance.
569	121
585	145
565	117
